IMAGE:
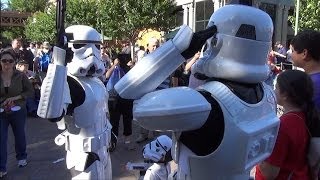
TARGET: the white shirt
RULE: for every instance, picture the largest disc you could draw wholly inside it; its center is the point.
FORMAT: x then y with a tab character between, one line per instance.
158	171
140	55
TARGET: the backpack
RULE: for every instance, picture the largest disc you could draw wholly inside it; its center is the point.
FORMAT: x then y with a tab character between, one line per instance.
116	75
44	61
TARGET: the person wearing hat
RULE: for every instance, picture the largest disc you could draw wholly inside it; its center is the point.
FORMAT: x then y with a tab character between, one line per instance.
43	59
31	102
23	66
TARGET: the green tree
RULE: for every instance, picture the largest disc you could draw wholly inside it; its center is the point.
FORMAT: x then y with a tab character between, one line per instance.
124	19
28	5
309	15
82	12
41	27
9	33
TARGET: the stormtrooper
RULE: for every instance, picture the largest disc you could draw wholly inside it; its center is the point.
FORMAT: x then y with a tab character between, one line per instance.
75	98
229	124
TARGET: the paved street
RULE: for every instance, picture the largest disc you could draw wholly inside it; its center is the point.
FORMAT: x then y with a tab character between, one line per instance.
44	156
43	152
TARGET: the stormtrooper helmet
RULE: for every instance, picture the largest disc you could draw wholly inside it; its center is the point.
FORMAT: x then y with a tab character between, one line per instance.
157	149
84	42
238	52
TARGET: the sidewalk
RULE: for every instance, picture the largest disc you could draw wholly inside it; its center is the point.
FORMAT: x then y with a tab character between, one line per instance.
47	160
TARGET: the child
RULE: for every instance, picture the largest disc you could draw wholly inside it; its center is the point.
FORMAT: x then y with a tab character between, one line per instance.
299	122
158	151
32	103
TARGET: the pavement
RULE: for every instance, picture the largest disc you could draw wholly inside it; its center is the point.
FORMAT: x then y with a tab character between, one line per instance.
46	160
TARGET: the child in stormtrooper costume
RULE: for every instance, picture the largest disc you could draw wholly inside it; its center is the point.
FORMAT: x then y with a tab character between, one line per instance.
229	124
75	98
157	151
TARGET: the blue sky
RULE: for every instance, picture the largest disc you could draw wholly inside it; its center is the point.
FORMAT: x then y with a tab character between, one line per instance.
5	2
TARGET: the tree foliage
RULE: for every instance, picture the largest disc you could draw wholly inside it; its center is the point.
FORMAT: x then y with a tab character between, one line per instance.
309	15
9	33
28	5
82	12
124	19
41	27
121	19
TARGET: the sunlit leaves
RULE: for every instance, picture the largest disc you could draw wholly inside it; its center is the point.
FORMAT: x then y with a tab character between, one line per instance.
309	15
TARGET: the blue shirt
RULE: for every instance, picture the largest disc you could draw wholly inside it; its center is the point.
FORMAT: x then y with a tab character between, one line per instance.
316	86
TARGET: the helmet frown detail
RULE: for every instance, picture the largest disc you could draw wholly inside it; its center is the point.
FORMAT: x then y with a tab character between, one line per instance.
85	44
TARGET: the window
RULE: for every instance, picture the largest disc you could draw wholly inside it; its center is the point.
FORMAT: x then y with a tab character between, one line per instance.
179	18
271	10
204	10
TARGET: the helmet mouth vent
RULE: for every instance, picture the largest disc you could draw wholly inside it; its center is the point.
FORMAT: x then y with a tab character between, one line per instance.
92	70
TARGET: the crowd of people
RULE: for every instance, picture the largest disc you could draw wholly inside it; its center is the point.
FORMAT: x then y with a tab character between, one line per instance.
23	69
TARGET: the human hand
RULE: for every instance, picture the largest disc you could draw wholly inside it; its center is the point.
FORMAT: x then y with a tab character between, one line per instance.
104	56
197	55
116	62
198	40
9	101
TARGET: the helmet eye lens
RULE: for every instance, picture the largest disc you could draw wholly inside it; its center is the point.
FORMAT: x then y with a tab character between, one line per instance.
78	46
97	46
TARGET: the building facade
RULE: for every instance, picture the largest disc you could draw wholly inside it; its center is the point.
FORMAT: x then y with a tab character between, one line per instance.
196	14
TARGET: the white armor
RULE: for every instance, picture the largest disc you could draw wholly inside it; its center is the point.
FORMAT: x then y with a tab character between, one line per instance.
88	130
241	120
235	55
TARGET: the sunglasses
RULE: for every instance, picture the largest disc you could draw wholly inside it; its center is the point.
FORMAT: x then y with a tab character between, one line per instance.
7	60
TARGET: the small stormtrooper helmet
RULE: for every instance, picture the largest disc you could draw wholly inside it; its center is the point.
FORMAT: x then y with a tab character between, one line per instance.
239	50
157	149
84	41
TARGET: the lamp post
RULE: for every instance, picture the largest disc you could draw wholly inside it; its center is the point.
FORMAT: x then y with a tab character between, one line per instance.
297	18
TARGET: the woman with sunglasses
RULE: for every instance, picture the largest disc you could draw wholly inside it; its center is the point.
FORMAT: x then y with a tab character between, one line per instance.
15	88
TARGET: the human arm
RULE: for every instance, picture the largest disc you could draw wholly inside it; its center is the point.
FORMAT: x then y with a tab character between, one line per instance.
271	166
27	88
11	100
278	54
110	70
21	89
268	170
192	61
